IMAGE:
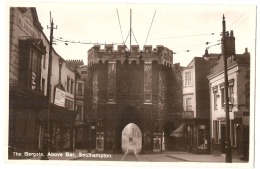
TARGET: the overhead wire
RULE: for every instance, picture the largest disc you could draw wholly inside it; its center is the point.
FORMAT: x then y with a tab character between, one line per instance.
135	38
196	44
120	26
186	36
80	42
189	50
241	23
150	27
237	19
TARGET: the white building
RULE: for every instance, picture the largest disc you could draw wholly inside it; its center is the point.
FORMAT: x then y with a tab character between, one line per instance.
238	92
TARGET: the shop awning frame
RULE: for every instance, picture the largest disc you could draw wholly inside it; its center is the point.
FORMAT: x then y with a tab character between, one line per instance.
179	132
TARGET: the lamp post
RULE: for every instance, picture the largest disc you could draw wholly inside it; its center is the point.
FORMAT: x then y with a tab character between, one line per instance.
224	55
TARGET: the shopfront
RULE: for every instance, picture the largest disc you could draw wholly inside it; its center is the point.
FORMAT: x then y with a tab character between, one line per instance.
198	136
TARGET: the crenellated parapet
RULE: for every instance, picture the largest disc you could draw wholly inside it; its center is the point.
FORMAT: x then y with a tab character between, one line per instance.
108	53
73	64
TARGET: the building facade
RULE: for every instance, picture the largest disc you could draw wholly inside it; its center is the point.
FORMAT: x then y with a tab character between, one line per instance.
81	131
238	92
29	53
196	110
132	86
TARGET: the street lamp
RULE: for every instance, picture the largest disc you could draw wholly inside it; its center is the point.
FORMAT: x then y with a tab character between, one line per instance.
230	106
227	110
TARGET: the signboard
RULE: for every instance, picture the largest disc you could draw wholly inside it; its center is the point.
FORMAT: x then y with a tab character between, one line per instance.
245	118
59	98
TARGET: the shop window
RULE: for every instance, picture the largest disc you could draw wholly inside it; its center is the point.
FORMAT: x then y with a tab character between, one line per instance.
216	131
202	137
233	133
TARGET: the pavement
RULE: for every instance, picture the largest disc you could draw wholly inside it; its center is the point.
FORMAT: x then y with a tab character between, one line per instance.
190	157
176	156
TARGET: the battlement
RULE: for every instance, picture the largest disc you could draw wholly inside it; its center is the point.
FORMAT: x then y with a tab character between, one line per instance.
73	64
160	53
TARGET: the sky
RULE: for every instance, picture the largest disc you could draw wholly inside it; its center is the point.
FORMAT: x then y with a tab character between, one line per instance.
181	28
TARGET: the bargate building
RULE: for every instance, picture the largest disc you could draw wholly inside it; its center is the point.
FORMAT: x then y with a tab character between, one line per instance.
143	87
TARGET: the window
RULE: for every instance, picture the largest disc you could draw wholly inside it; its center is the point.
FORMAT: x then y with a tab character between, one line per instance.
215	97
69	104
44	61
79	113
72	83
35	73
215	100
187	79
233	133
43	85
222	97
68	84
188	104
31	51
80	89
231	93
216	131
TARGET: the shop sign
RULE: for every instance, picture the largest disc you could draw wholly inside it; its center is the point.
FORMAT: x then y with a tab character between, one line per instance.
59	98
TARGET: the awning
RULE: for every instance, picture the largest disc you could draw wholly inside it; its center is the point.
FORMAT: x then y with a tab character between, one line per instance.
179	132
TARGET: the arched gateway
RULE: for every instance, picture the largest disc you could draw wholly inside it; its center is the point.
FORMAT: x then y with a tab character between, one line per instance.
140	87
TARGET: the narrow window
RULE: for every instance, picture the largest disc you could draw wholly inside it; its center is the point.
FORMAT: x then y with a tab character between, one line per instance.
72	83
80	89
68	84
187	78
188	104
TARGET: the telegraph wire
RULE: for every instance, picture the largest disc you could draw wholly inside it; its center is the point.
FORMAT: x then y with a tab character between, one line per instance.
135	38
86	43
120	26
237	19
150	27
196	44
187	36
190	50
241	23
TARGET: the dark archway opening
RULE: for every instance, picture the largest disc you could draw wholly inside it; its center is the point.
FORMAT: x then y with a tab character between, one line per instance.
129	115
131	138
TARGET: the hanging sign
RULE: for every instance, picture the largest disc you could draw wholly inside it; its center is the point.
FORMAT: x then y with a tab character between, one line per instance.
59	97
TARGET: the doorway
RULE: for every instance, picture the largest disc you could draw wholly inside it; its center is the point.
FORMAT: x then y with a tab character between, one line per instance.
131	138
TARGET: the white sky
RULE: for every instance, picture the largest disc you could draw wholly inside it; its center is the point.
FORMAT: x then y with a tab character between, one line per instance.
96	22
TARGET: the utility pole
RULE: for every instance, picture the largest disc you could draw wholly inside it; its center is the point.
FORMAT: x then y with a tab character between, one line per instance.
46	139
224	54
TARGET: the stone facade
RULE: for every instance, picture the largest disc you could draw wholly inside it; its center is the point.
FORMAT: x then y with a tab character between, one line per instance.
131	87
